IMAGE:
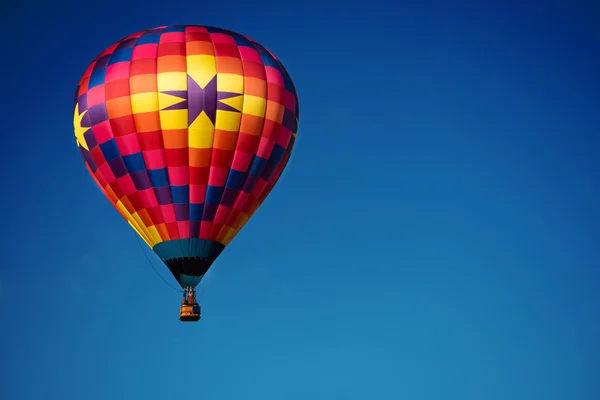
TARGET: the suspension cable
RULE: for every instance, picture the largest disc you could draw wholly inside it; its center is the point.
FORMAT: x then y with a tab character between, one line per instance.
152	265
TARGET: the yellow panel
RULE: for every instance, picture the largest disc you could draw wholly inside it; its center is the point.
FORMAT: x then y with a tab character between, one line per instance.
154	235
226	235
167	100
230	237
228	120
143	227
230	83
173	119
142	236
138	220
171	81
201	133
122	208
202	68
235	102
254	105
139	228
144	102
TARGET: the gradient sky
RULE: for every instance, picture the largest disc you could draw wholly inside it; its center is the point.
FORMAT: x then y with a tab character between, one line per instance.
436	234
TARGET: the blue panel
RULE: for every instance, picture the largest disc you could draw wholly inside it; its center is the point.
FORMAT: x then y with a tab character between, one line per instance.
134	163
277	154
213	29
289	120
268	60
181	194
120	56
242	41
265	56
174	28
196	211
148	38
190	281
97	78
268	171
287	81
128	43
159	177
110	150
102	62
213	194
180	248
257	165
235	179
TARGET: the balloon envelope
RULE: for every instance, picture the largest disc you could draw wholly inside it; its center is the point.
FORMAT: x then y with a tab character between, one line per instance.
186	129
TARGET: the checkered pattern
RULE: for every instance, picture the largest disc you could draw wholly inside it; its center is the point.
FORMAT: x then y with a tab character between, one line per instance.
186	129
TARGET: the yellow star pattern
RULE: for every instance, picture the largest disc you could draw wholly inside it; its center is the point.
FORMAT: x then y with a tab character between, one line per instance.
80	130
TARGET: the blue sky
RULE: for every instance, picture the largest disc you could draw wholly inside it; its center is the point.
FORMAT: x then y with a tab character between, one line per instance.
435	235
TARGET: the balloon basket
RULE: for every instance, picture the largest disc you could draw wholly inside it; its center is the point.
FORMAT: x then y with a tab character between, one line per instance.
189	313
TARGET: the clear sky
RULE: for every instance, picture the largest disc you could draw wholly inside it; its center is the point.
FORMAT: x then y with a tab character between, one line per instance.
435	235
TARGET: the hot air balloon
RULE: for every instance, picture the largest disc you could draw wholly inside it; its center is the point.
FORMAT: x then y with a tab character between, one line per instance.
186	129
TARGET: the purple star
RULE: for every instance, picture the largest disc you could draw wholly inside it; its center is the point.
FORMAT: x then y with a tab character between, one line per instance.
198	99
224	96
